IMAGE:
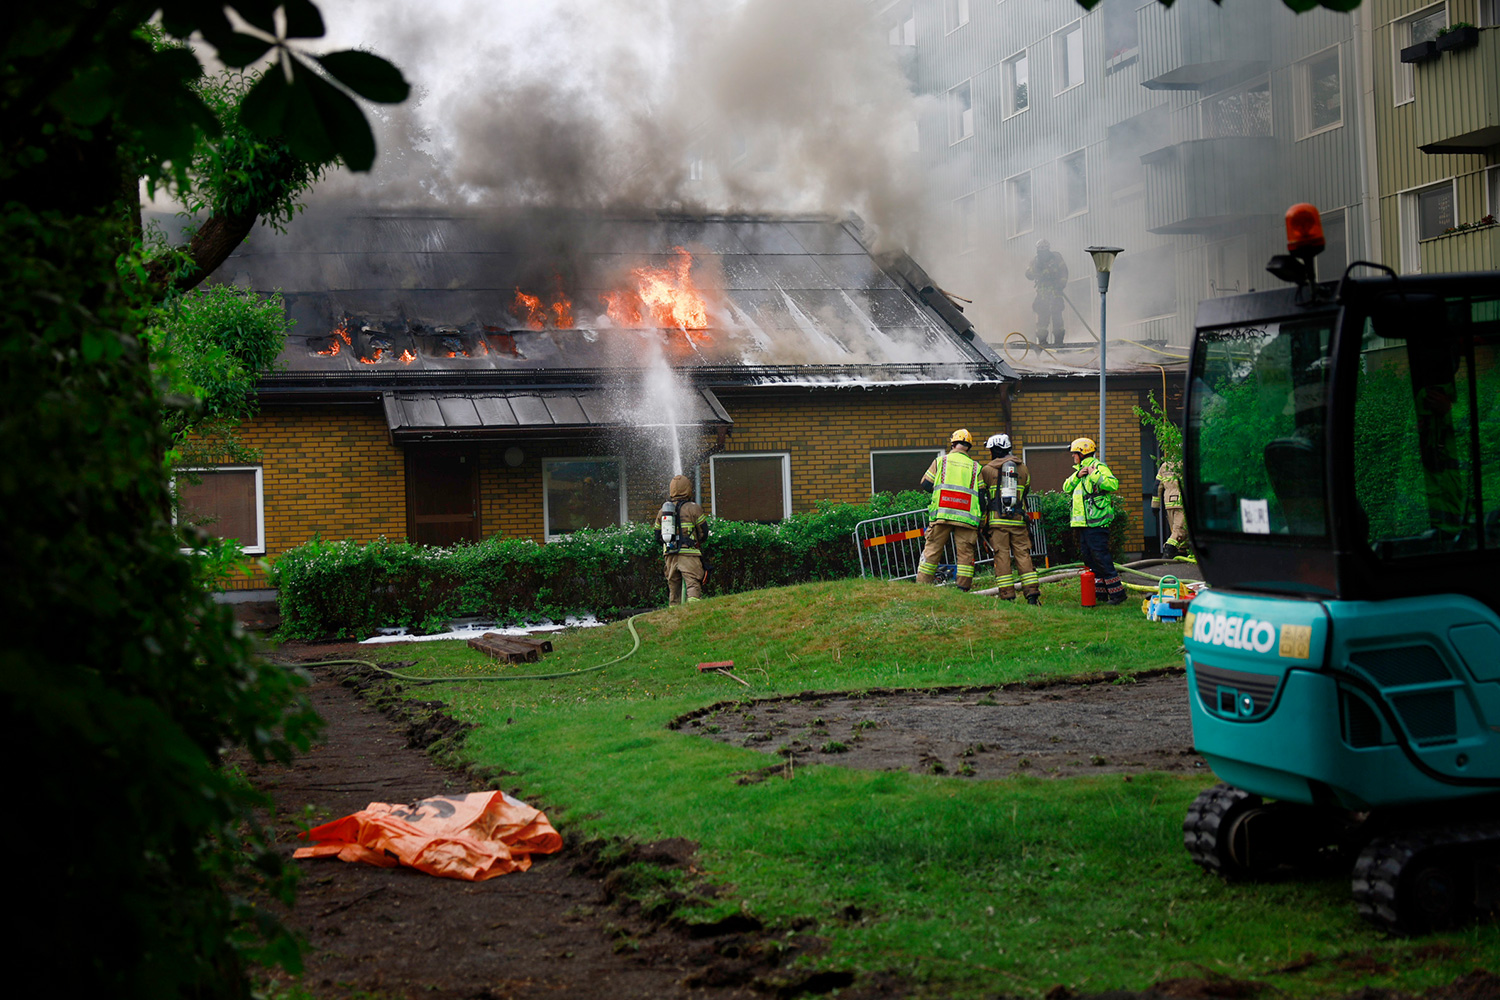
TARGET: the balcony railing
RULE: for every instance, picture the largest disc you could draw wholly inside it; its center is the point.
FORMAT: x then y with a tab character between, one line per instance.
1458	98
1469	250
1199	46
1200	185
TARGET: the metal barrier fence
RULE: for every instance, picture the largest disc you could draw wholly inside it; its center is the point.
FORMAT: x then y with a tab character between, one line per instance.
890	547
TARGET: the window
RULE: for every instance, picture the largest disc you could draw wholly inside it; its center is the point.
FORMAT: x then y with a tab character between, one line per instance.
752	487
1422	26
1073	178
960	113
904	32
1425	213
1121	35
1320	100
1489	13
1014	75
1228	267
1018	203
955	14
1049	465
1492	187
1335	256
1242	111
227	502
892	470
1067	56
582	493
966	222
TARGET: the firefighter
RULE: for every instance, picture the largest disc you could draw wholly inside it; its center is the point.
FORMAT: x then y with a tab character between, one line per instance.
1006	483
1049	272
1091	484
955	510
1169	496
683	530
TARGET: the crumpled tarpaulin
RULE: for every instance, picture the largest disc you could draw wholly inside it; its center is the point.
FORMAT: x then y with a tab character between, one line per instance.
472	837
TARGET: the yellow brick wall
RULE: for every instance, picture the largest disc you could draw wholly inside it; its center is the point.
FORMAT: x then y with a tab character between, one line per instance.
332	470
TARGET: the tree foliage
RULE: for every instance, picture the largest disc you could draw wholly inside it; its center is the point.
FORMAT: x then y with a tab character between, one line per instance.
122	680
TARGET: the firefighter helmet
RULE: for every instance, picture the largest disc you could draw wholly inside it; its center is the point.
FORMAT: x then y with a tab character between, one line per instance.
999	441
962	435
1084	446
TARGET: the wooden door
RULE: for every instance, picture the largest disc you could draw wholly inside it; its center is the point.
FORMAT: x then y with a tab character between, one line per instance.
442	496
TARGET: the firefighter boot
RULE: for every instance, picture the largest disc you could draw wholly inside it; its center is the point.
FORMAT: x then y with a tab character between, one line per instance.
1169	550
1033	599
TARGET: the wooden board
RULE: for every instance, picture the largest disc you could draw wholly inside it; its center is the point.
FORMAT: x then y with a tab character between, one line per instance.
508	648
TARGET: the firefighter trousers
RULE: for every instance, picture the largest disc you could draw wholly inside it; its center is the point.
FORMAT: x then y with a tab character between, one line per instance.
965	544
1013	541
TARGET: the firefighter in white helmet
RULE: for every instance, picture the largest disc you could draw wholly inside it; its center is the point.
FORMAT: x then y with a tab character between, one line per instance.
683	528
955	510
1006	483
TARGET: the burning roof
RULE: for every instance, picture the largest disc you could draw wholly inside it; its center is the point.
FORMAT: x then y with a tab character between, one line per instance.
738	299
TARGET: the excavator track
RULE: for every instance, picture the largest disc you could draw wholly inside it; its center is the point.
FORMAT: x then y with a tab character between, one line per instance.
1419	881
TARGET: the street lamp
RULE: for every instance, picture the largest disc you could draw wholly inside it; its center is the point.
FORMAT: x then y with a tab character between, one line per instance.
1104	259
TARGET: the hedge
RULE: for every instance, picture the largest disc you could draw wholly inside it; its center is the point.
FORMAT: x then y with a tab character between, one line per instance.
328	589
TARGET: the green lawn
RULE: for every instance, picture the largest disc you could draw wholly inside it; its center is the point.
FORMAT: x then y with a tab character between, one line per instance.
968	887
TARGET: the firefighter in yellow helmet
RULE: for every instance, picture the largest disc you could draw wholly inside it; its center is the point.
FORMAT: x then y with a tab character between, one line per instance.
683	530
1091	484
955	510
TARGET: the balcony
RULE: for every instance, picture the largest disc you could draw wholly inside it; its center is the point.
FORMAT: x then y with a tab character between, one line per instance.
1458	99
1470	250
1202	46
1205	184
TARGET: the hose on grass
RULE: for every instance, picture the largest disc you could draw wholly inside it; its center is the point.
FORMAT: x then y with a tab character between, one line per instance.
422	681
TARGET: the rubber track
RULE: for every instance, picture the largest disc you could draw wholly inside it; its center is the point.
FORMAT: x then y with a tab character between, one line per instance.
1378	870
1204	820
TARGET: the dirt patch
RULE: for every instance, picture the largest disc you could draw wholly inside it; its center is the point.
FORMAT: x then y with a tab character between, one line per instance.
1100	725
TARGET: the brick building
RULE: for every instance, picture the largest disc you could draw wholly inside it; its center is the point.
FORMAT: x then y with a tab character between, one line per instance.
422	396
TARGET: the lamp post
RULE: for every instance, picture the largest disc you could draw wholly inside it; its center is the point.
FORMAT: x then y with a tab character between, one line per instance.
1104	259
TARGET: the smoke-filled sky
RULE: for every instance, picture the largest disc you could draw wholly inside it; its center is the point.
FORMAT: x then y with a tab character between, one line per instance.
596	103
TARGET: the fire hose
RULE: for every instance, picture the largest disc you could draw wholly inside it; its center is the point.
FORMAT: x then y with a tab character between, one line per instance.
420	681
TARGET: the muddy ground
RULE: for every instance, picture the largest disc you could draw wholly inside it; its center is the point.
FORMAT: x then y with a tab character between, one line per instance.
568	927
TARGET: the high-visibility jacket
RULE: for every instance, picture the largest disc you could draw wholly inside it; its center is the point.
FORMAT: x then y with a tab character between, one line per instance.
1091	483
955	490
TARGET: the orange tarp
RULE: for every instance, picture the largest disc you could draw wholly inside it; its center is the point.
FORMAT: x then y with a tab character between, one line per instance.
472	837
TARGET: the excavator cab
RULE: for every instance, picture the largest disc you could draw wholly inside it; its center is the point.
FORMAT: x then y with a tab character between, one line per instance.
1342	488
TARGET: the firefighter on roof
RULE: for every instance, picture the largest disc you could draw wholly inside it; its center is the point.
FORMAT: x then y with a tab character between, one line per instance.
955	510
1091	484
683	530
1006	483
1049	272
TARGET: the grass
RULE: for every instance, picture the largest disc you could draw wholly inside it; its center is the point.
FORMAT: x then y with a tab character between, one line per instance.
968	888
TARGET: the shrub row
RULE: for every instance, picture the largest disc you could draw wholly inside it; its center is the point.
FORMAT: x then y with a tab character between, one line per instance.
345	589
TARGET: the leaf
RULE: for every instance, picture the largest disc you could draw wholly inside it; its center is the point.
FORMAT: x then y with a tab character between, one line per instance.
369	76
264	108
261	13
303	19
337	120
88	97
240	50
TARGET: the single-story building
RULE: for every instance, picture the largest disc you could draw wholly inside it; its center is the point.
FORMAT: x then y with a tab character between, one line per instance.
456	377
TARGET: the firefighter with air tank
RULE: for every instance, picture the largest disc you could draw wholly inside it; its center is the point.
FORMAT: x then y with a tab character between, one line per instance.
683	530
955	510
1006	482
1169	497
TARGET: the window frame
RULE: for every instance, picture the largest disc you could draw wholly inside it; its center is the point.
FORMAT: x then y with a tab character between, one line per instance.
934	452
549	462
1411	238
1063	209
1492	186
957	121
905	30
1403	79
730	456
1304	83
959	9
1008	81
1011	218
260	499
1060	61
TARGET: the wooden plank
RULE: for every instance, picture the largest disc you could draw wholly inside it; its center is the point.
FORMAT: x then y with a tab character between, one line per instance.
498	647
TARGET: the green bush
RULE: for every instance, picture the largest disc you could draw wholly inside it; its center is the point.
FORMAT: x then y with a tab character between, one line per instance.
1057	517
343	588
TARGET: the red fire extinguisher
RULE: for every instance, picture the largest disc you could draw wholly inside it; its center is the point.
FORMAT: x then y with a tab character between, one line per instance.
1086	588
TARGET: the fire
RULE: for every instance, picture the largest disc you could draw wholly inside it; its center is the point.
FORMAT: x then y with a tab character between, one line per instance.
406	357
663	296
531	311
528	309
337	339
375	359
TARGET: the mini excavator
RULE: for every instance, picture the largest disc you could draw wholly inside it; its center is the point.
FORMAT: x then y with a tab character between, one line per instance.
1342	474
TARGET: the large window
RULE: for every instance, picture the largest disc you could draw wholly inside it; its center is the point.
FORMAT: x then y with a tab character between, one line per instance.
1073	180
582	493
1492	188
1067	57
1015	76
955	14
1335	256
960	112
227	502
1425	213
1049	465
1320	98
751	487
893	470
1423	26
1018	204
904	31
